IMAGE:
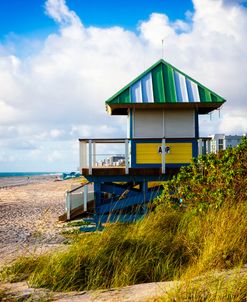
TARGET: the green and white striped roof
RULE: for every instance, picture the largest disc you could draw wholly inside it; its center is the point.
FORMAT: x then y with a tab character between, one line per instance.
163	85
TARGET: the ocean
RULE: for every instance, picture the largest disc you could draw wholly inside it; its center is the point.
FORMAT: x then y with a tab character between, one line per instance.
26	174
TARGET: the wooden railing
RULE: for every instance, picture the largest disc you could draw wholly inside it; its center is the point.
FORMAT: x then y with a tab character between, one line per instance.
89	154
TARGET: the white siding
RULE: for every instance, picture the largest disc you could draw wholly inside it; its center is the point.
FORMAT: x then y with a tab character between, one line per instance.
179	123
148	123
167	123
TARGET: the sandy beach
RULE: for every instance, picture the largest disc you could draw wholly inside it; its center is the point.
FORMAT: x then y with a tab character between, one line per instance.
29	210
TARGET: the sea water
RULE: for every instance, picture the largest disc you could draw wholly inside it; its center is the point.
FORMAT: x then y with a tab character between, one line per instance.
27	174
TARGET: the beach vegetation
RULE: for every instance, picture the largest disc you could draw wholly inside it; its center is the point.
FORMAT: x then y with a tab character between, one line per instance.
217	287
198	226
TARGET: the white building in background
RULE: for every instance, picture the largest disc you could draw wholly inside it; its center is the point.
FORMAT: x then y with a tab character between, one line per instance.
222	141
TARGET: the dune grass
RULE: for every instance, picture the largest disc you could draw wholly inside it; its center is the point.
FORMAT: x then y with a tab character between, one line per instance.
164	246
204	233
218	287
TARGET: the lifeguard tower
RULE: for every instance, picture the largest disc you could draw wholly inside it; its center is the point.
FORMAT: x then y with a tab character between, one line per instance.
162	106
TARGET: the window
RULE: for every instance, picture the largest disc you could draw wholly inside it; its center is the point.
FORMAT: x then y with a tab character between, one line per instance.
221	144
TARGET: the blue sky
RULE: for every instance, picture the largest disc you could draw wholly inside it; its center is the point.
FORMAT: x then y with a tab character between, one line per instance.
24	17
61	59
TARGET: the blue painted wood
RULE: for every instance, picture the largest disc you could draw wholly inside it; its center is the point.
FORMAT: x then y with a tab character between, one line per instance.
125	218
88	229
196	124
115	188
124	203
125	178
195	149
97	193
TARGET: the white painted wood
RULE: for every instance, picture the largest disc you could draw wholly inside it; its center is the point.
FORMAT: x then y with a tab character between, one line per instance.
148	123
181	88
83	155
179	123
200	146
136	92
133	122
163	166
147	89
164	133
85	199
90	156
126	156
68	205
94	154
195	92
208	146
168	123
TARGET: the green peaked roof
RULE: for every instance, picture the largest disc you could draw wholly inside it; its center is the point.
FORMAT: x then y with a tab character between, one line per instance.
163	85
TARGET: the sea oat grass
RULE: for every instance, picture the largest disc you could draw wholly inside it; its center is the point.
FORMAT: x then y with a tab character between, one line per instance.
206	232
224	287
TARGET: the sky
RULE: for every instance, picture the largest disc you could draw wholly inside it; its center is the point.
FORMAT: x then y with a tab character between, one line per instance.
60	60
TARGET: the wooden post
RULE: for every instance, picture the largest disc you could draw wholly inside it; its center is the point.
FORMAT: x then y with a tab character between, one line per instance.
94	154
85	197
90	156
83	155
208	146
200	146
68	205
126	156
163	154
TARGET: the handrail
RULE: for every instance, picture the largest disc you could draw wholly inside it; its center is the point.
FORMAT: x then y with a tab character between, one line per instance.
77	188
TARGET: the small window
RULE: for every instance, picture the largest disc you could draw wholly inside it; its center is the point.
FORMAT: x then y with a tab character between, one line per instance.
221	144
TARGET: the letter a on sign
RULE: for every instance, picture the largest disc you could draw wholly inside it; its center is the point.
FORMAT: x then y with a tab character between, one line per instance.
167	149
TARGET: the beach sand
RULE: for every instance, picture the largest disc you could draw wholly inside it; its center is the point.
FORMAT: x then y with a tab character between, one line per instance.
29	210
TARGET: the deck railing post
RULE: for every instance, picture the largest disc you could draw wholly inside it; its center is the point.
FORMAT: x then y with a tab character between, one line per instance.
83	155
126	156
94	154
208	146
90	156
85	197
200	146
163	166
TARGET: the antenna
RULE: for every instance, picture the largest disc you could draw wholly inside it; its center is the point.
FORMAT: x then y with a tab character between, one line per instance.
162	50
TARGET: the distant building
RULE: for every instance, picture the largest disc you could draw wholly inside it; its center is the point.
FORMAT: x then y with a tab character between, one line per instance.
114	160
222	141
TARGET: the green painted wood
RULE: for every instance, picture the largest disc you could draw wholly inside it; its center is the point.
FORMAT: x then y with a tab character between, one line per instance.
115	101
205	95
164	87
158	84
169	84
214	98
124	97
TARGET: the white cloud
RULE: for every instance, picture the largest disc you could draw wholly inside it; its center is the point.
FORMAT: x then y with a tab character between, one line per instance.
56	94
58	10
